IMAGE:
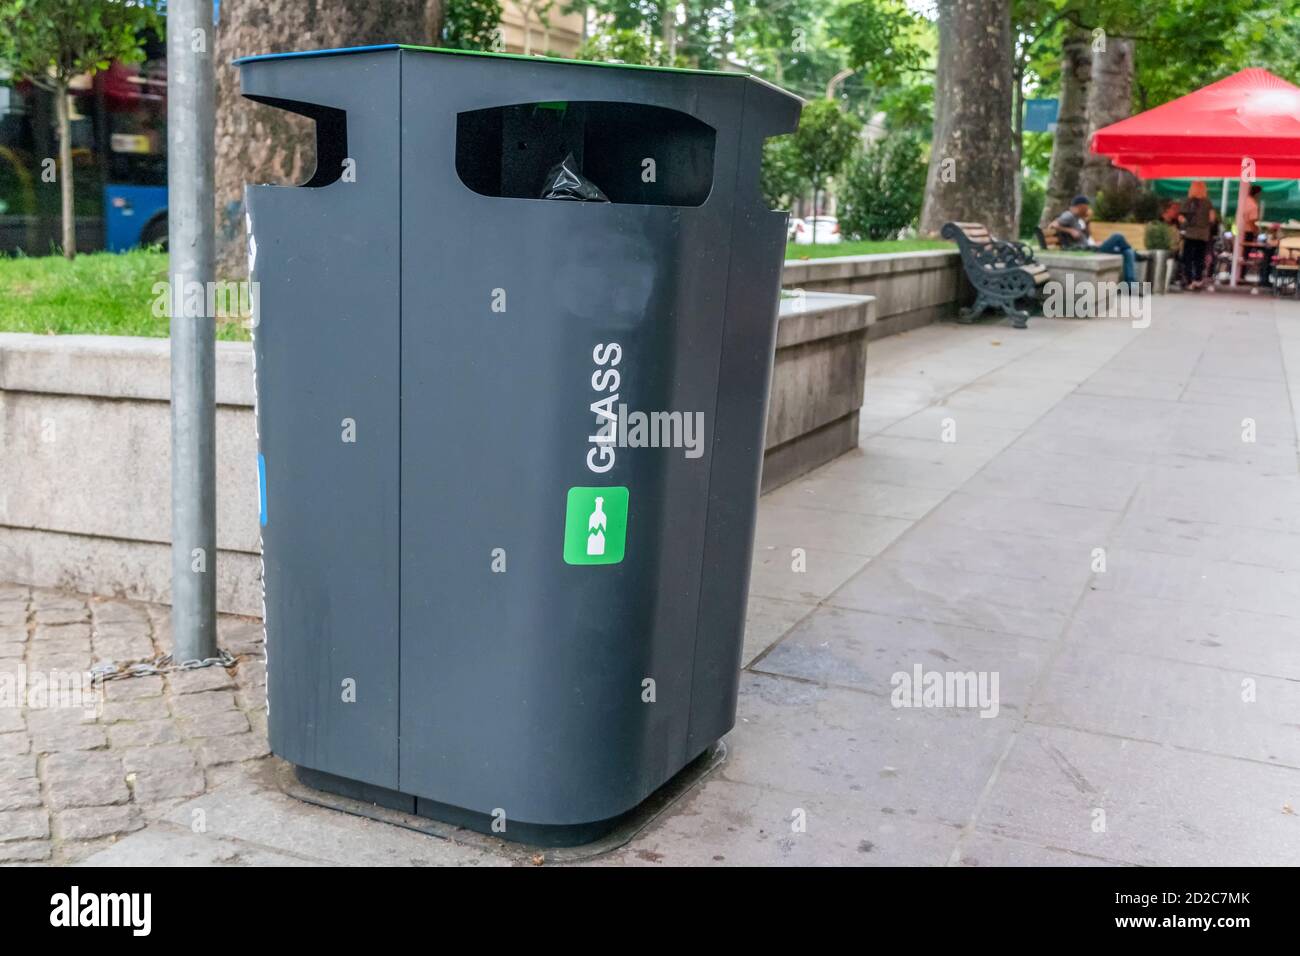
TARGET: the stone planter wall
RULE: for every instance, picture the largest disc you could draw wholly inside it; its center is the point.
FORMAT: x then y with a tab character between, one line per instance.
911	289
817	382
85	474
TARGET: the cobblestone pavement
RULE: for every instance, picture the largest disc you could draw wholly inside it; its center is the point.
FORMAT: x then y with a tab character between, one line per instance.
1114	533
75	779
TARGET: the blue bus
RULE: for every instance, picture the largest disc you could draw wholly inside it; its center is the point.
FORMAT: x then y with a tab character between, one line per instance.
119	158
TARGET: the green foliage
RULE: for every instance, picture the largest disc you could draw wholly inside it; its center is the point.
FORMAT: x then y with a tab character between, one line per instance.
1158	235
909	107
1179	45
874	49
1036	155
864	247
1116	204
52	41
823	143
632	31
880	38
103	293
780	181
471	24
1032	197
1146	206
883	190
1183	45
625	46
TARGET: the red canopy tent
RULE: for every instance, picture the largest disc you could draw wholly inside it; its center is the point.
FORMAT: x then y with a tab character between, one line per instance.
1246	125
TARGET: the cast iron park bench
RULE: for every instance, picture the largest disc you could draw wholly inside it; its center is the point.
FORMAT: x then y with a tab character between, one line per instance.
1002	272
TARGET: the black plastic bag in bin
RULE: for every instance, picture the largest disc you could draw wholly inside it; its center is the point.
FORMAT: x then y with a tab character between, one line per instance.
565	182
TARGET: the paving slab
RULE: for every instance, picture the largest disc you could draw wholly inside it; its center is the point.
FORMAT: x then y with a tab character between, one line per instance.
1218	637
1160	806
247	811
767	620
933	592
785	526
1201	580
804	575
1226	712
986	849
1026	558
725	823
867	652
170	845
819	741
1026	516
864	497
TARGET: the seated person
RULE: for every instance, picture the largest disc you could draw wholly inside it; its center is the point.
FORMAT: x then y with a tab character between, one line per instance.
1072	230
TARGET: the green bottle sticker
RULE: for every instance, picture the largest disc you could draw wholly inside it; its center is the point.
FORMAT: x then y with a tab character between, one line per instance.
595	525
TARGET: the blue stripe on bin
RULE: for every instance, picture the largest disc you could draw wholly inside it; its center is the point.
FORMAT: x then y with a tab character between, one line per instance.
261	488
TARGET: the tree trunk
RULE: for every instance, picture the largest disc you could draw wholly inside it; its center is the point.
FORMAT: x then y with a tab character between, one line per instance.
972	173
1071	140
435	18
1018	129
64	119
258	144
1110	99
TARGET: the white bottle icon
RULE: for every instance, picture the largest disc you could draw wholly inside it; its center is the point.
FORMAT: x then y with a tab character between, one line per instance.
596	529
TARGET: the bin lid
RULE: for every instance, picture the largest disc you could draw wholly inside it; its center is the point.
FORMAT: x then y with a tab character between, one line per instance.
503	56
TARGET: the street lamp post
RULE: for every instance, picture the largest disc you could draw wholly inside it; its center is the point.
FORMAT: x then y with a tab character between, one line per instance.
190	214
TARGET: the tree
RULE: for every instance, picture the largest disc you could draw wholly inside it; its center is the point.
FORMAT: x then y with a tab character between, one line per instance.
256	143
879	38
972	174
1070	145
780	180
472	25
625	46
822	144
51	42
709	28
1110	99
882	191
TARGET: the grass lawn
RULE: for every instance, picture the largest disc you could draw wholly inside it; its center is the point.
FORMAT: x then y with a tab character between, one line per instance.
864	247
101	293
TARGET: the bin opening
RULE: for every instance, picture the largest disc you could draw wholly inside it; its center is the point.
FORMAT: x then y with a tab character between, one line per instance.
636	154
331	136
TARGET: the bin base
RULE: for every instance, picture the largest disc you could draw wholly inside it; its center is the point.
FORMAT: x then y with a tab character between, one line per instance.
451	822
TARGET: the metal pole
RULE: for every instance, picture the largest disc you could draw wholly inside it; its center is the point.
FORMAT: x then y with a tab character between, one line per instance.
190	219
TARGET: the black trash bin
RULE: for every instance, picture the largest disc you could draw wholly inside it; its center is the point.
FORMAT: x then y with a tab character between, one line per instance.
485	602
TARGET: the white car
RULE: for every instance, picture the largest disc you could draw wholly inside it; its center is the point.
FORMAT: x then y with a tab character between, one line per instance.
821	230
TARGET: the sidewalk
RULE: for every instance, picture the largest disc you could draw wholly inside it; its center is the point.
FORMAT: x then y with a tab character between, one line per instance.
1098	537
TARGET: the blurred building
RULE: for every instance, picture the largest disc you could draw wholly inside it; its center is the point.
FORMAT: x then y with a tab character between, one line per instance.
540	26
